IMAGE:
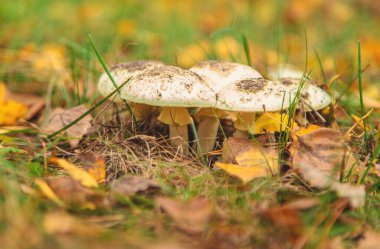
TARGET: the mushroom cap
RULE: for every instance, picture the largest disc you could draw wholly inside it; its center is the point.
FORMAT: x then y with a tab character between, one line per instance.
122	72
258	95
169	86
253	95
312	95
221	73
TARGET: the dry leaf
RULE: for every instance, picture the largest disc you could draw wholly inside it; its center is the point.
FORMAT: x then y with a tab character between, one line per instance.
318	156
245	174
47	191
250	160
370	240
60	117
259	157
233	146
34	103
62	223
10	111
72	193
130	185
323	149
272	122
76	173
94	164
191	216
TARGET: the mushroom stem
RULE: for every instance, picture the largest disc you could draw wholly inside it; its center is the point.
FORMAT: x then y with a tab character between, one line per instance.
179	137
207	132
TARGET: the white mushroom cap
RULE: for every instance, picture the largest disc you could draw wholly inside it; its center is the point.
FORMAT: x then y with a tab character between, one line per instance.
314	96
253	95
169	86
258	95
221	73
122	72
285	71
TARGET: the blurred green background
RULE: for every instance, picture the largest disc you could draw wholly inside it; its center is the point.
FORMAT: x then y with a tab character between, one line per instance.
41	39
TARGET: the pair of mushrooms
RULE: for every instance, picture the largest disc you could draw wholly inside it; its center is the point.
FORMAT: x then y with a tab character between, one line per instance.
218	89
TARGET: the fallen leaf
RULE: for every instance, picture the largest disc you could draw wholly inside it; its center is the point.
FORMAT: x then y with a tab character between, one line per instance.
272	122
319	156
257	156
59	222
370	240
47	191
191	216
94	164
73	194
233	146
10	110
34	103
130	185
301	131
247	160
323	149
245	174
76	173
60	117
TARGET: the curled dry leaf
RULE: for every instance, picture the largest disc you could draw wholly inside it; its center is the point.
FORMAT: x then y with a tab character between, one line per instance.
60	117
191	216
76	173
319	156
94	164
130	185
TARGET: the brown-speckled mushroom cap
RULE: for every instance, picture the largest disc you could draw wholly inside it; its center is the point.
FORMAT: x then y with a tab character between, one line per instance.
253	95
221	73
122	72
312	95
169	86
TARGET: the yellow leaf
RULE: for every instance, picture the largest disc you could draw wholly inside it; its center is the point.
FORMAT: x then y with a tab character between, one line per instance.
193	53
301	131
258	157
76	173
47	191
359	121
94	164
10	110
272	122
245	174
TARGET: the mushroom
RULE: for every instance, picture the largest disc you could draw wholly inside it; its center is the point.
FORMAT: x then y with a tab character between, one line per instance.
249	96
121	73
174	90
217	74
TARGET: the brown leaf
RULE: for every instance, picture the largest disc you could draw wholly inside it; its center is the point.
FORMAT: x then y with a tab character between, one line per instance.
60	117
323	149
233	146
191	216
72	193
94	164
130	185
318	156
